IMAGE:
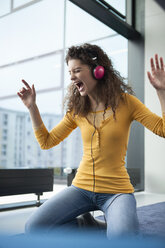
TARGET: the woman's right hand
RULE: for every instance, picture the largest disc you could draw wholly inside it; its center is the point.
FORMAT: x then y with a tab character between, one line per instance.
27	95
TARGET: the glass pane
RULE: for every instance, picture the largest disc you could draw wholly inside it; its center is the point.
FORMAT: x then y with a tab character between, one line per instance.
19	147
117	49
82	27
31	31
50	102
119	5
18	3
44	73
4	7
67	77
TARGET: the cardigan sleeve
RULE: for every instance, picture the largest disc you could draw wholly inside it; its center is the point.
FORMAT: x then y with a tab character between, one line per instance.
142	114
50	139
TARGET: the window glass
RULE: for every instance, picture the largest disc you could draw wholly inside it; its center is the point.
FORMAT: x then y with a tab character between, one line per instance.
43	72
50	102
34	53
117	49
4	7
82	27
20	138
28	33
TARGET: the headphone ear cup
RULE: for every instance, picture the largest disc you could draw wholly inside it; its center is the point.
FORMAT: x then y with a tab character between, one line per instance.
99	72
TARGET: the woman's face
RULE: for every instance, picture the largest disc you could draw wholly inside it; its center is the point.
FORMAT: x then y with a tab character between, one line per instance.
81	76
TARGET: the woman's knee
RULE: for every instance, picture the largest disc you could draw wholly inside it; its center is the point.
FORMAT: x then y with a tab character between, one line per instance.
30	225
118	228
27	227
122	217
57	211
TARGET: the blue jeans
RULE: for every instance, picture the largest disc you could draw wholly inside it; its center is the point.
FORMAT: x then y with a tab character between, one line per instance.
62	209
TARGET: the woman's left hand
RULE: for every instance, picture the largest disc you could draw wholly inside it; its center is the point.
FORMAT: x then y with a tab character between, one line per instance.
157	75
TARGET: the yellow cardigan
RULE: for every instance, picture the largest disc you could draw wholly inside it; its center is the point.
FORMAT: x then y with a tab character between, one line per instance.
109	145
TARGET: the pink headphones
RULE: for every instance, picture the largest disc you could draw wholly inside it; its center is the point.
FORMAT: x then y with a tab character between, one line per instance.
98	71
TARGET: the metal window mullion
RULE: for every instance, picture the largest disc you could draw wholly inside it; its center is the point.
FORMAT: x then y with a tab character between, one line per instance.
25	5
11	5
62	80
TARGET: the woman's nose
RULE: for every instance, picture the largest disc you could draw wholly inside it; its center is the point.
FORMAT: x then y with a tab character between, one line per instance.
72	76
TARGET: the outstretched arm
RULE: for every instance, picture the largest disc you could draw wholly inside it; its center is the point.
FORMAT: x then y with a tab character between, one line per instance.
28	97
157	78
57	134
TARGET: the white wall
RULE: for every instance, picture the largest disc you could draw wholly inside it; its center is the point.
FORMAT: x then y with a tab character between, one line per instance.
154	145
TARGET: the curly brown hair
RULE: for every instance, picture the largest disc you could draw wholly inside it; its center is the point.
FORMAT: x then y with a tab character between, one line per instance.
110	88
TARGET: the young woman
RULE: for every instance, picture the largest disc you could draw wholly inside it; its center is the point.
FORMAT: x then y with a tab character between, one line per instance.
103	107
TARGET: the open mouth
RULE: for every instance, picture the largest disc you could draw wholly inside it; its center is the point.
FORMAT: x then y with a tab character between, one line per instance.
79	85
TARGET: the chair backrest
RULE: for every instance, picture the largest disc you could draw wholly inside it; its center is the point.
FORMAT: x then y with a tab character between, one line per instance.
24	181
134	174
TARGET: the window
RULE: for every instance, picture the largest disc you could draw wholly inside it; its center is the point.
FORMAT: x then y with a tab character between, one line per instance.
5	7
29	162
37	57
28	147
36	49
3	163
4	150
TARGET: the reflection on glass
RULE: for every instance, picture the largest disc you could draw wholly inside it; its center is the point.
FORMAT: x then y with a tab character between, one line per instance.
43	72
4	7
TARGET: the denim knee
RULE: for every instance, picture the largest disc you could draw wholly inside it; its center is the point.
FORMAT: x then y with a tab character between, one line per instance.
122	217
